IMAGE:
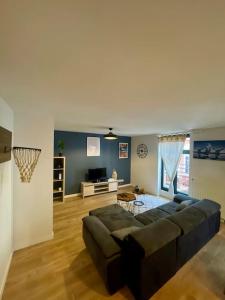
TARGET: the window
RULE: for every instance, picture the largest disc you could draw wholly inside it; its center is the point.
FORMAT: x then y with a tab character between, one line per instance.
181	180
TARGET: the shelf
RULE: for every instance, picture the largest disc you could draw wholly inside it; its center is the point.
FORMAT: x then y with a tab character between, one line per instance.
59	198
101	192
101	188
100	183
59	163
57	192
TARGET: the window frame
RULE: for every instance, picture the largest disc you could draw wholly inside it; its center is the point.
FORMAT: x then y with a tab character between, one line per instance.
175	178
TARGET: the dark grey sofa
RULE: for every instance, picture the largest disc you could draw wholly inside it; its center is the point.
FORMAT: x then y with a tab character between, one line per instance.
145	251
104	250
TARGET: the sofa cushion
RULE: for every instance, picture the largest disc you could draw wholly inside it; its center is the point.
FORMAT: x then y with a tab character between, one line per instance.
184	204
187	219
115	217
169	208
121	234
179	198
152	237
151	216
208	207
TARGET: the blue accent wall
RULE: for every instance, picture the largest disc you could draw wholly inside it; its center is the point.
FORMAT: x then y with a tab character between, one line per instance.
78	163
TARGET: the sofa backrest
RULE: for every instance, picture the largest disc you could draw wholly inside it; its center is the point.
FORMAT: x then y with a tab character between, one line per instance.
151	257
187	219
198	223
207	207
152	237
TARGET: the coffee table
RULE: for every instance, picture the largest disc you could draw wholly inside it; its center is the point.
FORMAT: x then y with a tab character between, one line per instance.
143	203
126	200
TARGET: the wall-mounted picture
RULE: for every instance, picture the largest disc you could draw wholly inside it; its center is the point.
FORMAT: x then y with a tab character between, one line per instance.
123	150
214	150
5	144
93	146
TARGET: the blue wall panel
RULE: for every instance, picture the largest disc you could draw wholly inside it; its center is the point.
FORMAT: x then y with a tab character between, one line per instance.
78	163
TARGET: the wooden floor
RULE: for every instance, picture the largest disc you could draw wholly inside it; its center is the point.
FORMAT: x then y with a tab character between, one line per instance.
62	269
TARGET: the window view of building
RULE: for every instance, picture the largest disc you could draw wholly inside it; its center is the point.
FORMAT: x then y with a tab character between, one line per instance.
181	181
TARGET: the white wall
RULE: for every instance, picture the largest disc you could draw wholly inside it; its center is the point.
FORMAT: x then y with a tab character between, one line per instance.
144	171
6	201
33	204
208	176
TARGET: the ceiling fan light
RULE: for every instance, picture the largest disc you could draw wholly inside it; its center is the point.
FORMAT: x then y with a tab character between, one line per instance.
110	136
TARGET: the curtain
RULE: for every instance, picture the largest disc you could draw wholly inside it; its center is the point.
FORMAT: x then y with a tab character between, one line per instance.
171	148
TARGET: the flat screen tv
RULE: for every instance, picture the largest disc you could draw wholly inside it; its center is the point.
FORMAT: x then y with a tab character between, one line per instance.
97	174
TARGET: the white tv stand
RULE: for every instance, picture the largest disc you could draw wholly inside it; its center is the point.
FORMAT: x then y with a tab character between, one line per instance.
90	188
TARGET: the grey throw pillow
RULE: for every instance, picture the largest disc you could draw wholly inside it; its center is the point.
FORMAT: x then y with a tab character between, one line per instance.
184	204
120	234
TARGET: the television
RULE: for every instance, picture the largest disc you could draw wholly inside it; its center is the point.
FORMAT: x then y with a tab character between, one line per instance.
97	174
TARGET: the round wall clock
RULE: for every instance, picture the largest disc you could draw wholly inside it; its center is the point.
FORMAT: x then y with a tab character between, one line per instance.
142	150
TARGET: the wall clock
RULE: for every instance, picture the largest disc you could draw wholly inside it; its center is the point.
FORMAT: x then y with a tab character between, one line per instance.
142	150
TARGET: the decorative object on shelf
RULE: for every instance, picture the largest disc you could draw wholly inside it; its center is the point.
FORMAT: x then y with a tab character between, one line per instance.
26	160
123	150
93	146
142	151
139	191
213	150
136	189
110	135
61	147
114	174
60	176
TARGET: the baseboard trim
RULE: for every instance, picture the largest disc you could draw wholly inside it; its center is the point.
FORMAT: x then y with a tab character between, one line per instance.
72	195
5	275
34	242
124	185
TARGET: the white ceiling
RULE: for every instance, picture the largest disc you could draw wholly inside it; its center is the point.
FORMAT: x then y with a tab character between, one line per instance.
139	66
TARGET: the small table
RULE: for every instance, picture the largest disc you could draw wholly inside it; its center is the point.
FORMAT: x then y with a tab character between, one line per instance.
126	200
137	204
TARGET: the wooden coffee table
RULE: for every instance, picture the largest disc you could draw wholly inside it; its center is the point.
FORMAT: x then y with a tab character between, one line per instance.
137	204
126	197
126	200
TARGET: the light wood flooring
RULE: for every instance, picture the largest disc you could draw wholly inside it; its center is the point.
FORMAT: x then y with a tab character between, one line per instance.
62	269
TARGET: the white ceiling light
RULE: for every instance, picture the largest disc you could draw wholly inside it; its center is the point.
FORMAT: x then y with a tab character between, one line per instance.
110	135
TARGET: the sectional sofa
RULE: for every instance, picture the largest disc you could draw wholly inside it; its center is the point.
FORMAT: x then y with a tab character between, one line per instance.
145	251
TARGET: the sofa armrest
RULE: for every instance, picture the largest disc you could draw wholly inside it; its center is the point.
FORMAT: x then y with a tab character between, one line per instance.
153	237
101	235
179	198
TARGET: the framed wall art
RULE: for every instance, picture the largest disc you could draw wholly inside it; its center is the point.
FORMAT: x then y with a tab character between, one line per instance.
123	150
93	146
214	150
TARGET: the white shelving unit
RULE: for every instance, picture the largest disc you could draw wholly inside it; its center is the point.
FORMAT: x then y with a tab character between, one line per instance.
59	164
90	188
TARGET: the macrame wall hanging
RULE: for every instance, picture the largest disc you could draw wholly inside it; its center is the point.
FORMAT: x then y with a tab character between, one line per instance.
26	160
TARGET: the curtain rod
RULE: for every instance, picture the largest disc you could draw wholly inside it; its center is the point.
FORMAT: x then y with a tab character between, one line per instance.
174	134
